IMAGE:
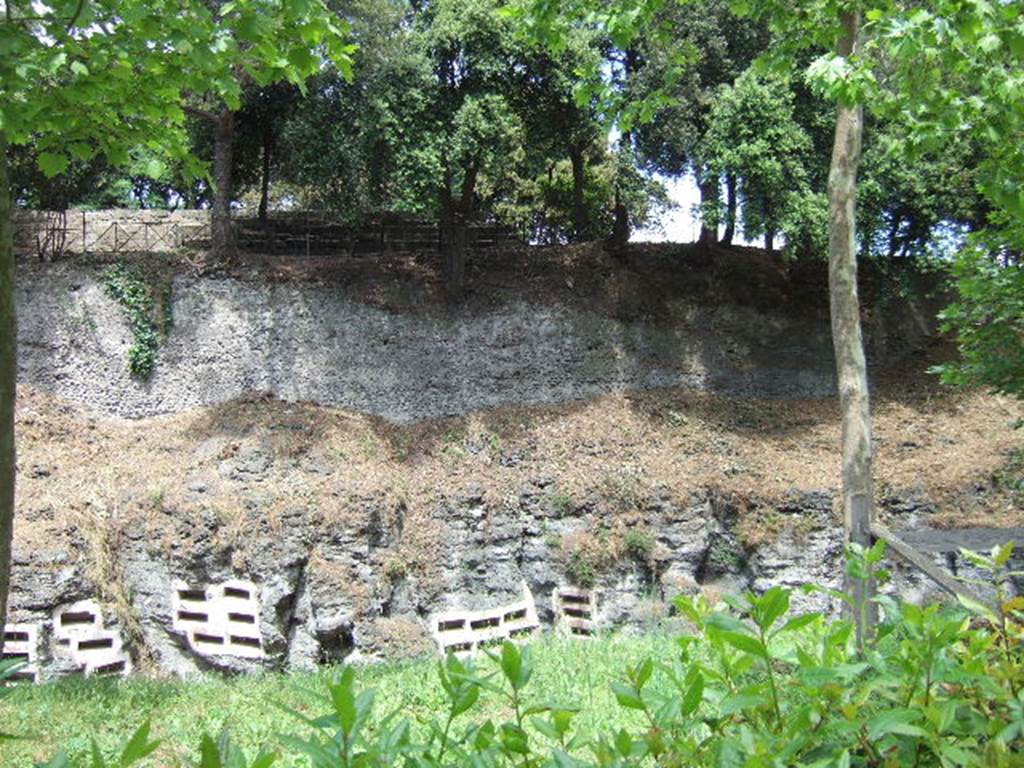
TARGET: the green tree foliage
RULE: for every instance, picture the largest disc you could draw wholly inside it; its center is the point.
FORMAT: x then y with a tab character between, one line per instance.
239	45
956	71
905	205
754	137
709	48
455	116
988	315
561	125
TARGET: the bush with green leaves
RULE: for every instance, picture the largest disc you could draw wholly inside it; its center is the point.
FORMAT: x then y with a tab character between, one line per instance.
753	685
987	316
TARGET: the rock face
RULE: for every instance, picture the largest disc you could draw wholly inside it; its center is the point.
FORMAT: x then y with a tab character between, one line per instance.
322	591
188	586
310	342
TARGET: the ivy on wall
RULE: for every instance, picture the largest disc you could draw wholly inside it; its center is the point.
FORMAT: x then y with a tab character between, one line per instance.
147	308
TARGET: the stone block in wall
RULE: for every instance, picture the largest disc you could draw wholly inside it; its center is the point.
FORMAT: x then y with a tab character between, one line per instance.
466	632
575	611
219	619
79	634
21	643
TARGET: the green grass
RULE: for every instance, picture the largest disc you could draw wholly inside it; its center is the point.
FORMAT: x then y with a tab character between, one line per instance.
70	712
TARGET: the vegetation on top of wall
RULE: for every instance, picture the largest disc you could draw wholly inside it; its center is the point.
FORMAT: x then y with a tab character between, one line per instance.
147	308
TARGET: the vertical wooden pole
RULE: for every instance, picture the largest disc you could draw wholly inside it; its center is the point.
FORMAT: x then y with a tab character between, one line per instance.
851	366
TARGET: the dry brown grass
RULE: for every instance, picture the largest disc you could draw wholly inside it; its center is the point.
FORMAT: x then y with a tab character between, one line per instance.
332	463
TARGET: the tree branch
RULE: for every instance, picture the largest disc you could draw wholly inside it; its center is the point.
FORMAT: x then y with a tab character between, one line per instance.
204	113
74	18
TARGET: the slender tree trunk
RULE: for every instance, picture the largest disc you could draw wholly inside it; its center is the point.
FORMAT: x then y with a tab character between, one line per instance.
851	367
708	186
579	206
769	240
455	216
453	246
222	235
730	209
620	214
8	375
620	226
265	178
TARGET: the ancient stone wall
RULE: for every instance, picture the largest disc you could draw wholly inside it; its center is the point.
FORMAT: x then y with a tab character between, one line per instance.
314	592
319	582
309	342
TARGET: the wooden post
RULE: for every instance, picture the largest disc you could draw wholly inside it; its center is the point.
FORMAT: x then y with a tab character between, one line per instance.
924	564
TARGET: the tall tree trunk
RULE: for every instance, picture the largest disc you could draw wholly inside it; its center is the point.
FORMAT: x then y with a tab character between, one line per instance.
579	206
851	367
708	186
265	178
730	209
620	214
620	225
222	234
453	246
8	375
769	240
455	216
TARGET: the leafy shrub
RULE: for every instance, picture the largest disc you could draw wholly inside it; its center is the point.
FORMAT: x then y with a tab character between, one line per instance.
753	686
640	543
137	298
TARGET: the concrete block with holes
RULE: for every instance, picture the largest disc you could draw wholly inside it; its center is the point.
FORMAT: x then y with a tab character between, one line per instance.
575	609
465	632
219	619
21	643
80	633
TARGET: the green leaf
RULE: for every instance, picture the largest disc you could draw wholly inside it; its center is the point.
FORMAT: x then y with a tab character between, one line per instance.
798	622
138	747
345	702
894	721
209	754
694	696
52	164
516	665
265	760
511	663
96	757
643	672
770	606
628	696
745	643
